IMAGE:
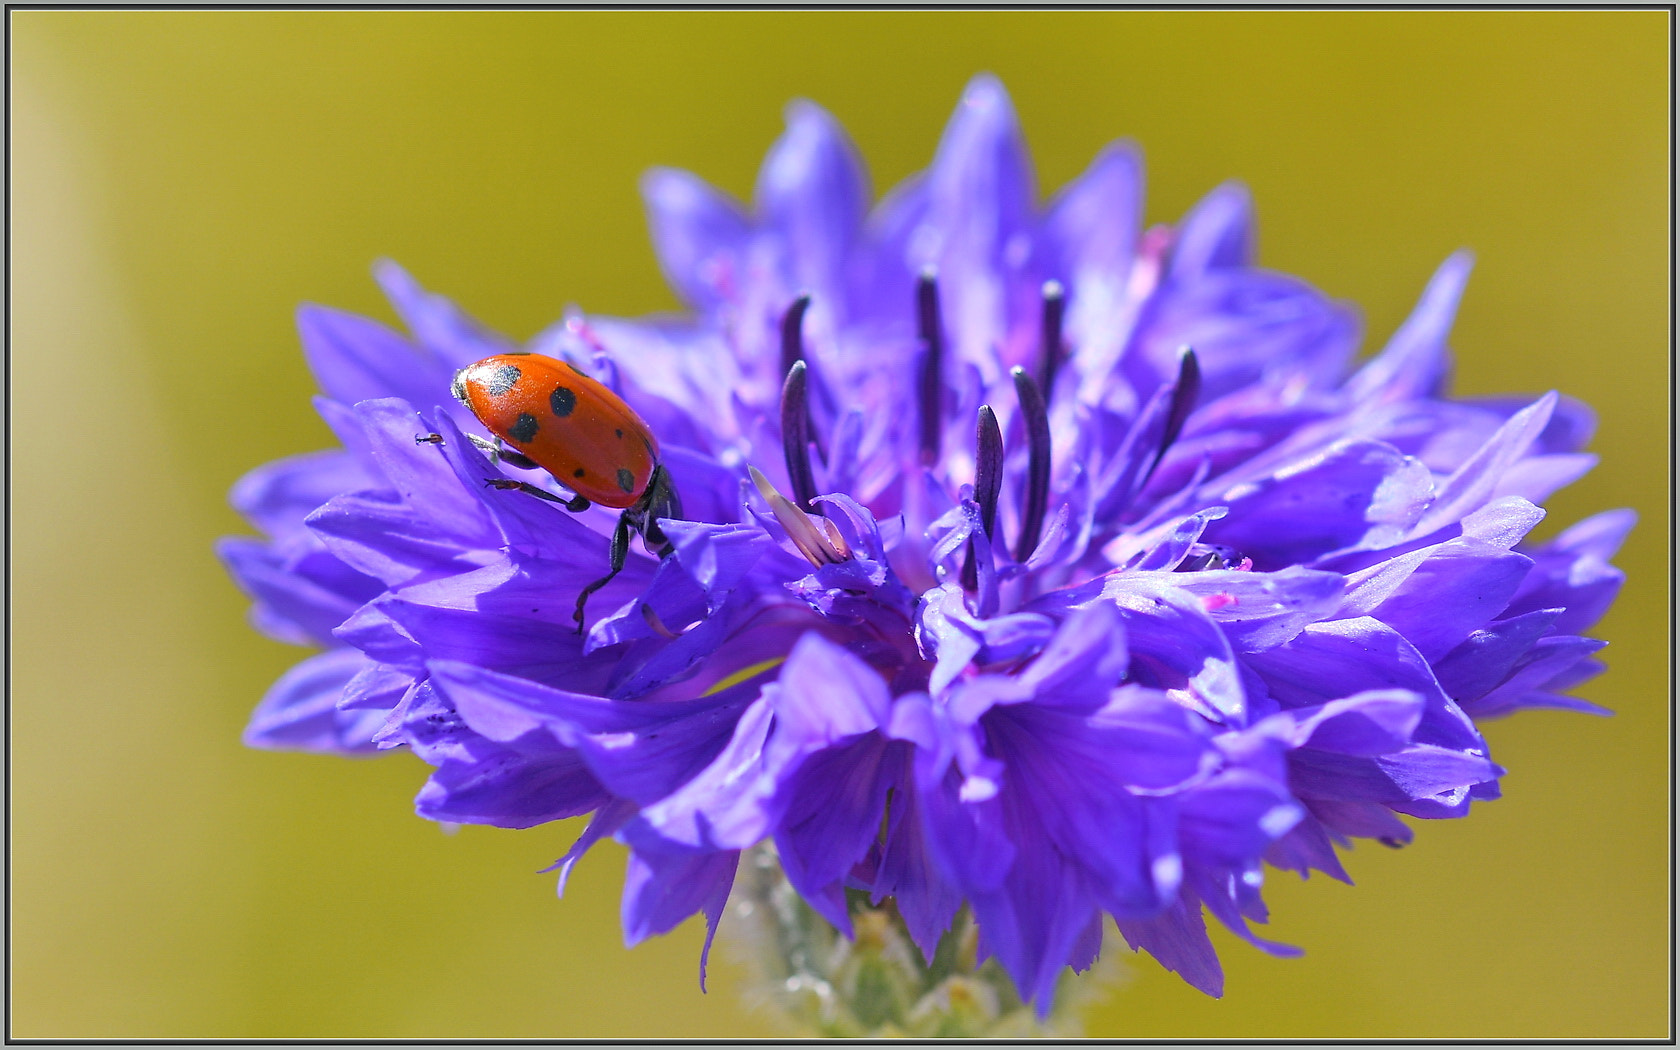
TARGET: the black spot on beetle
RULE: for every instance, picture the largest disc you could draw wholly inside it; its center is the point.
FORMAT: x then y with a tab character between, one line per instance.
499	379
563	400
578	473
524	428
626	480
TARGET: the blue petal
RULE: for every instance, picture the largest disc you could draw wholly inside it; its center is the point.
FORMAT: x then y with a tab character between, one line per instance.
1262	610
386	541
812	193
640	750
1349	657
1374	722
1220	890
1338	658
1217	234
355	359
301	602
1420	772
1178	940
381	638
1162	547
1474	482
1573	572
645	669
1082	839
1555	663
376	687
300	711
277	496
607	820
1488	655
699	234
512	787
392	538
425	722
1247	326
437	323
1359	819
967	840
662	888
1438	595
517	645
907	871
1034	922
831	810
726	805
1174	643
826	695
1235	817
1356	494
716	557
1081	662
978	230
1307	847
1415	362
1091	230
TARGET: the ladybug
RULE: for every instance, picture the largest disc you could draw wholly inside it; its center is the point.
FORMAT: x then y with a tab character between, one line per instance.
563	421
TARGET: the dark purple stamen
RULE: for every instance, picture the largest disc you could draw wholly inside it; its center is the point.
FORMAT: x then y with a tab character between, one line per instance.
1050	336
793	351
793	339
1038	461
796	437
988	467
1185	391
929	382
988	482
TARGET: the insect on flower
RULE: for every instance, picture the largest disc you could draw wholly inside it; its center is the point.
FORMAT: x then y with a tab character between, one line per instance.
1104	576
569	424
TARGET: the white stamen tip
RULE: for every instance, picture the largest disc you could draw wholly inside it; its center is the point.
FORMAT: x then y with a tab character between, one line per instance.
821	545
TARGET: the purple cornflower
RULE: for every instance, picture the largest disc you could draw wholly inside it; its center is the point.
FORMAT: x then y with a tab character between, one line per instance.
1033	561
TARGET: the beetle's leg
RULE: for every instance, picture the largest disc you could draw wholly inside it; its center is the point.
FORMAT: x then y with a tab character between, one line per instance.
619	554
500	453
659	501
576	504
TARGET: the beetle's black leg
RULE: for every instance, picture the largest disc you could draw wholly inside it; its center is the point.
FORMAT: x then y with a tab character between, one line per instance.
577	504
619	554
500	453
659	501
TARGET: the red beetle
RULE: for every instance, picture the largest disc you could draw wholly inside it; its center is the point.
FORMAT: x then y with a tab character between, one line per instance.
561	420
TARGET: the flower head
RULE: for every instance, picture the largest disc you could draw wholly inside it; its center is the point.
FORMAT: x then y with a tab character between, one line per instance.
1031	561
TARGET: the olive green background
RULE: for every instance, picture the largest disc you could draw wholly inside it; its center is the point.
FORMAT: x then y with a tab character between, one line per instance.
182	180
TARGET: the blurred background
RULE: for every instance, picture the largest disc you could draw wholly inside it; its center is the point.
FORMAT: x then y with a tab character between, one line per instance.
182	180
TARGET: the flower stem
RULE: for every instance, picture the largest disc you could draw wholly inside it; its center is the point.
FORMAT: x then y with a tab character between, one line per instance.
817	983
